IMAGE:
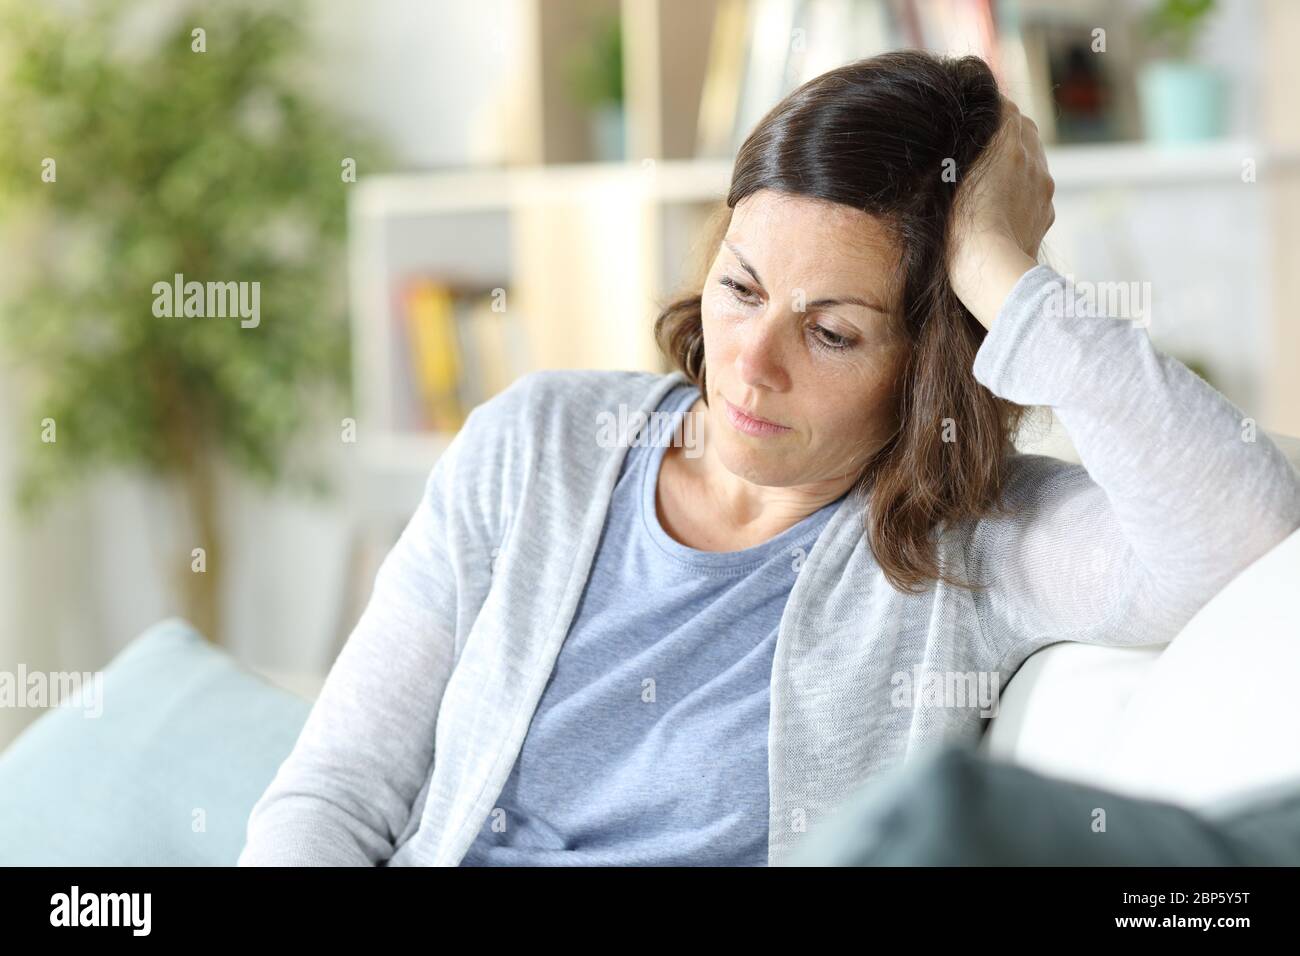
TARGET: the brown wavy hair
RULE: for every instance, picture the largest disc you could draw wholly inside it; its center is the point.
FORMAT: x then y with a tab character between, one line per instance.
878	135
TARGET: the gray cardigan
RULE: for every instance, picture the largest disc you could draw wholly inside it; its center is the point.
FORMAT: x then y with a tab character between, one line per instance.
422	715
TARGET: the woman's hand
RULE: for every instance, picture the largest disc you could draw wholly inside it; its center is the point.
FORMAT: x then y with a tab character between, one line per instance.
1003	209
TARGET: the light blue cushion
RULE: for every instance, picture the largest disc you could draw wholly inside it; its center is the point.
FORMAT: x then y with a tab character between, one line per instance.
183	728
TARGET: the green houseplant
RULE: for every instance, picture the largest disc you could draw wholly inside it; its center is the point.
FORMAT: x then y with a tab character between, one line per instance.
128	161
595	78
1182	100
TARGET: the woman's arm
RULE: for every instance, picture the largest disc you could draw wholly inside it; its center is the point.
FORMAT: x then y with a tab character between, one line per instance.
1177	492
345	792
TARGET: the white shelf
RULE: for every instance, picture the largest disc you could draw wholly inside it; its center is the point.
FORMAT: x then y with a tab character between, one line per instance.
447	191
1132	164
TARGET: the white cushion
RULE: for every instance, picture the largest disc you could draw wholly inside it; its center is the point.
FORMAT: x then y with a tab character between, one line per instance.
1119	716
1062	711
1219	712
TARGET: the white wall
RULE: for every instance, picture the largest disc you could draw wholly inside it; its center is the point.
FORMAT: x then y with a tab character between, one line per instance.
432	75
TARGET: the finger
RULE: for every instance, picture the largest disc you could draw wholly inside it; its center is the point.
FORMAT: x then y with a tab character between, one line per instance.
1009	112
1029	126
1033	141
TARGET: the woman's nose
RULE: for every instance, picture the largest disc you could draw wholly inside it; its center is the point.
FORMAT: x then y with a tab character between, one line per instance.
760	359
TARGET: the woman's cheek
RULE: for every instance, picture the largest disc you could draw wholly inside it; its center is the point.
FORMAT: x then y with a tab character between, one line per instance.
720	310
858	405
719	325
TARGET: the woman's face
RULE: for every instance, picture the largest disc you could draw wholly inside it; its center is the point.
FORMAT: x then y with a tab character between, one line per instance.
795	333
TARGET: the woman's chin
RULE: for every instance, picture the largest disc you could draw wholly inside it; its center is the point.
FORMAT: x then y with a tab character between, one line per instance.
757	465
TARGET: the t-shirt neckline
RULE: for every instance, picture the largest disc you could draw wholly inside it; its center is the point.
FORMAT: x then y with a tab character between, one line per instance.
676	404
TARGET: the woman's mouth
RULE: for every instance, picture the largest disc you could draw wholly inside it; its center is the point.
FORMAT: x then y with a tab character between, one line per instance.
751	424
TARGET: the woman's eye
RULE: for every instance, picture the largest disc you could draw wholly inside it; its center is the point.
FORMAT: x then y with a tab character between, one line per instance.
739	291
823	336
829	339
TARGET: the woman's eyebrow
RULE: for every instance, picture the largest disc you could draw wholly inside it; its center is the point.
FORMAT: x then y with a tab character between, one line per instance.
745	265
845	300
815	304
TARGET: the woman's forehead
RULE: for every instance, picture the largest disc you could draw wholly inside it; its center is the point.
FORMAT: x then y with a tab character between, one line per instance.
827	223
795	233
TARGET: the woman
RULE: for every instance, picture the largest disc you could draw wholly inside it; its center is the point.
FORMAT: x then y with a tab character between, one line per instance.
635	648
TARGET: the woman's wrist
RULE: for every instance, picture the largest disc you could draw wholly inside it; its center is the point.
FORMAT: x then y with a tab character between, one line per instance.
984	272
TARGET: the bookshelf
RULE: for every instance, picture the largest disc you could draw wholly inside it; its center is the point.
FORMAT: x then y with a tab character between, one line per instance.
586	252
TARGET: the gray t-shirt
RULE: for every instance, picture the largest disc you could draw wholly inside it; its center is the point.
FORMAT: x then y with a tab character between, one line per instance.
649	744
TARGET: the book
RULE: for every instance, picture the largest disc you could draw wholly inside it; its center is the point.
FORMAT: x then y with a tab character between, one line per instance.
455	347
434	353
770	36
502	347
761	50
720	96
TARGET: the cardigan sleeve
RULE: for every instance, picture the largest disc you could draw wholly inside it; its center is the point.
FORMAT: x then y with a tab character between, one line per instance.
1177	492
345	792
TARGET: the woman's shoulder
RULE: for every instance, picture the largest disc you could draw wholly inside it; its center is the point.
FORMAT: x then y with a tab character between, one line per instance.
1034	475
551	404
546	425
1037	485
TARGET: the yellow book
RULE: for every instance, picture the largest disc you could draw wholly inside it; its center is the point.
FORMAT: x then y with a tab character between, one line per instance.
431	329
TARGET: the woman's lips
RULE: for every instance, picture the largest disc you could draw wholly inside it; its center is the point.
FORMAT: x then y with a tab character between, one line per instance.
749	425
